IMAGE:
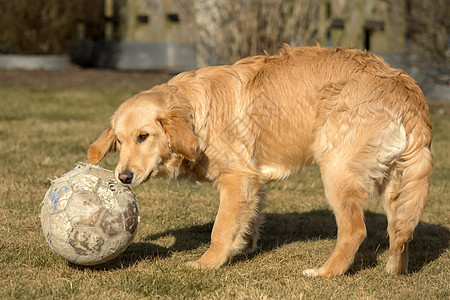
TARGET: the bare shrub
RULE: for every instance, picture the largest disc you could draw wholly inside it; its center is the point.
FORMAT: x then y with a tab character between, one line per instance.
429	26
46	26
227	30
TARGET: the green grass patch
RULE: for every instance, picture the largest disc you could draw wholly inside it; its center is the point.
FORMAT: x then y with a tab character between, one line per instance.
44	133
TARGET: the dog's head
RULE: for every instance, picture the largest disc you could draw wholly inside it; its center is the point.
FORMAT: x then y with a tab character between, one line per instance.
153	132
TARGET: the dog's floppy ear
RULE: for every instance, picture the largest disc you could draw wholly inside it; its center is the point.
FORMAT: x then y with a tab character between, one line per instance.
179	129
104	144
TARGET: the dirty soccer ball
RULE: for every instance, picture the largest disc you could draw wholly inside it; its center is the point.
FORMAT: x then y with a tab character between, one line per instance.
87	217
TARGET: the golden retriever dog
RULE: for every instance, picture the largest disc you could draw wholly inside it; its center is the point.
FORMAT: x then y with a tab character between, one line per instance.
264	118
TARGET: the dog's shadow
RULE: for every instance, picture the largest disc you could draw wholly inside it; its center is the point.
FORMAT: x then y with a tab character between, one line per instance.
429	242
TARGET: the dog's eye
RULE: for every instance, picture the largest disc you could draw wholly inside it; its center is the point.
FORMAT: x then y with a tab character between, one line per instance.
142	137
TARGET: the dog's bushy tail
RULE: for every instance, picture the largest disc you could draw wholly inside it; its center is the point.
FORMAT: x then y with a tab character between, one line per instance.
413	168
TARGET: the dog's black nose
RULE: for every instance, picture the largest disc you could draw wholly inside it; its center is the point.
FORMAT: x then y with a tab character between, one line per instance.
126	177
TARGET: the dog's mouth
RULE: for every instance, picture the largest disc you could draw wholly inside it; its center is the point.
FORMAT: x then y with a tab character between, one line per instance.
151	175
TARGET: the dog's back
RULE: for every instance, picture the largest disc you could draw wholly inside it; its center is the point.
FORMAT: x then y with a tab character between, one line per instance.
305	97
284	110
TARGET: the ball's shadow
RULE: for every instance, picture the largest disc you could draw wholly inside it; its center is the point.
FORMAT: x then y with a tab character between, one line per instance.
429	242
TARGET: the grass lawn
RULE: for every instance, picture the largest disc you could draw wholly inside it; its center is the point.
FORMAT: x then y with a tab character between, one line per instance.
45	132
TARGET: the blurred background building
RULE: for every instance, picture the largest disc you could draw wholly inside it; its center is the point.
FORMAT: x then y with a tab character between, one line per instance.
177	35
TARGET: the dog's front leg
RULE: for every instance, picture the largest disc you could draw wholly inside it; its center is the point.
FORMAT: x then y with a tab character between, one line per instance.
235	227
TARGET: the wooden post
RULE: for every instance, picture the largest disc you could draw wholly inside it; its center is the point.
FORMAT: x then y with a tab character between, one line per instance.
109	13
392	37
351	31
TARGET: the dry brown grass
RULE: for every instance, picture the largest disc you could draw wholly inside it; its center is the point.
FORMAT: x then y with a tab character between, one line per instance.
43	133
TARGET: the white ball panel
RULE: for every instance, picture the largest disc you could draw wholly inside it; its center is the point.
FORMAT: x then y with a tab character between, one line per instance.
84	209
84	182
60	226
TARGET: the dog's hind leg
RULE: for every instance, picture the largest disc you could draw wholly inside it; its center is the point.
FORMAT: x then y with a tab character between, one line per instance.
346	194
404	197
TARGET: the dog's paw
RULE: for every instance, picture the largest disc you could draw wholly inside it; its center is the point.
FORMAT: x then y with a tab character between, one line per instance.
322	272
193	264
199	265
312	272
395	269
251	250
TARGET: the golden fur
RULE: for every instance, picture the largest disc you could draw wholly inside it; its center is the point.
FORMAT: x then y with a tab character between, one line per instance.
365	124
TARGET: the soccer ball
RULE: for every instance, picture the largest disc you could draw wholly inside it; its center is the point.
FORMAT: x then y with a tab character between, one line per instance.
87	216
